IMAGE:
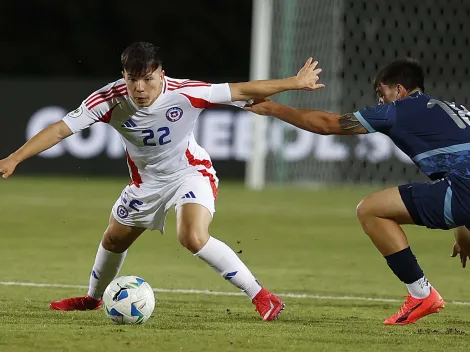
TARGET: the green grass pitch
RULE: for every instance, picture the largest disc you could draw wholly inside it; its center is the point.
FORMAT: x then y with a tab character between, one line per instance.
300	241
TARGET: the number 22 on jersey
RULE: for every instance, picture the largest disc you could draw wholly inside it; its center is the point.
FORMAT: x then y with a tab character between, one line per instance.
163	135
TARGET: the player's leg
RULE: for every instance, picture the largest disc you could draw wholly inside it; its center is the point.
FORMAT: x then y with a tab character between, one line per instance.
109	258
110	255
192	224
130	216
193	216
381	215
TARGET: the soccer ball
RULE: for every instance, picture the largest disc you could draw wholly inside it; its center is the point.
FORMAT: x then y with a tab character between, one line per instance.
128	300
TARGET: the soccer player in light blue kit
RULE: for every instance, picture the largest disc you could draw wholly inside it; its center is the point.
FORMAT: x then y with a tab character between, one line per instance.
435	134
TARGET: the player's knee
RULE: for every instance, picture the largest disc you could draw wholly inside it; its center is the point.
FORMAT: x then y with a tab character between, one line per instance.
113	243
364	210
192	237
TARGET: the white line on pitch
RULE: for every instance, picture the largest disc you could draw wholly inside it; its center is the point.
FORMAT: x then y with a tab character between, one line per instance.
220	293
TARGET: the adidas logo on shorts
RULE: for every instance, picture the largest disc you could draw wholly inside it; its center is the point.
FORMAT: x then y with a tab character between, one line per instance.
189	195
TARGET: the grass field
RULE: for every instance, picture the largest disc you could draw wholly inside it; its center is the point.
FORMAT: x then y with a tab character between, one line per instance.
295	241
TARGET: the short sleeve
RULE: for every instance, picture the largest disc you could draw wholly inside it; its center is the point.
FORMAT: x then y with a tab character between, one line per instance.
80	119
379	118
201	94
220	94
98	107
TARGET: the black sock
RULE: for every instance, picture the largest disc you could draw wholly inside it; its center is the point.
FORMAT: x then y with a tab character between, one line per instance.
405	266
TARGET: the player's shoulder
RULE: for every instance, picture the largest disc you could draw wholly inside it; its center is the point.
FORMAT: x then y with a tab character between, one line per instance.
197	93
416	98
179	85
109	95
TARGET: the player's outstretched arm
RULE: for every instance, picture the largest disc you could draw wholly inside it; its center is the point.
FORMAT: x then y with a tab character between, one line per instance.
42	141
315	121
306	79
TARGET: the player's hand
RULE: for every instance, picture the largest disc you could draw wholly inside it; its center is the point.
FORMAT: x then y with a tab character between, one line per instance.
307	77
7	167
261	106
463	256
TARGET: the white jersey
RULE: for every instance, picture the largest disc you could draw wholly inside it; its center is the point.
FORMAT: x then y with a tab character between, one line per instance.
159	139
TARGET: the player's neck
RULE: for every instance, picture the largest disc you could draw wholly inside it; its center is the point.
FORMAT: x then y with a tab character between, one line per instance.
414	91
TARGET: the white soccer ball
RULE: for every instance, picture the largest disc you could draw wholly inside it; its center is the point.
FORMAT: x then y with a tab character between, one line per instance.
128	300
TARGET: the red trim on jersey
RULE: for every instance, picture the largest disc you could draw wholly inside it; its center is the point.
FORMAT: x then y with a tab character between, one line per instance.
206	173
172	85
187	85
207	164
194	81
119	86
101	99
107	117
196	162
105	94
135	176
175	81
104	99
199	103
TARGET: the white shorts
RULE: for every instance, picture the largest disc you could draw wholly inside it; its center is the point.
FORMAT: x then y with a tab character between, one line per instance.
148	207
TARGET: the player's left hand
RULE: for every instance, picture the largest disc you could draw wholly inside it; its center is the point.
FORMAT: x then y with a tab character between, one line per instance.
261	106
463	256
7	167
307	77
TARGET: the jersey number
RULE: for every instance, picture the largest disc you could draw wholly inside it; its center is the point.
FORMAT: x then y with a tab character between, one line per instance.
149	135
460	116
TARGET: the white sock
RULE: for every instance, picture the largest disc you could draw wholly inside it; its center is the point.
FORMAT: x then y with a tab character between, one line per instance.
224	260
106	267
420	288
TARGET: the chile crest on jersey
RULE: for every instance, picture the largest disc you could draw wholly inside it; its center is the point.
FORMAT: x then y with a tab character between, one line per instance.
174	114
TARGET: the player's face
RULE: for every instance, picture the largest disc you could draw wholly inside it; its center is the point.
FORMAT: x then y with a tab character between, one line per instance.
144	90
389	93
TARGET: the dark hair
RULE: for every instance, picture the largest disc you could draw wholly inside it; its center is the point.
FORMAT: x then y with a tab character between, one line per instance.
407	72
139	58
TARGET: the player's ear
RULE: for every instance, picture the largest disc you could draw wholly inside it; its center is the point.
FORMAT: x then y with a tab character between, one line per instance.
162	74
401	91
123	75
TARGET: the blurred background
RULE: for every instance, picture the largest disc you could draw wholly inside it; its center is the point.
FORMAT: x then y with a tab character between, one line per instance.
56	53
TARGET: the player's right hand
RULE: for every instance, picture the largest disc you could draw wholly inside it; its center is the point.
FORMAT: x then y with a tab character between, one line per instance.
260	106
7	167
463	256
307	77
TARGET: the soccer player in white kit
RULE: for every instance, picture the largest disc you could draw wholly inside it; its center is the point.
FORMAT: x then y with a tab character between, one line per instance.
155	116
